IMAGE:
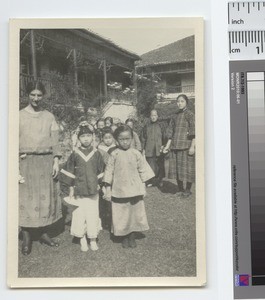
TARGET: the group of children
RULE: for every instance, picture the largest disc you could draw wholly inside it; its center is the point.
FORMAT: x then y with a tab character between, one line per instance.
109	163
106	161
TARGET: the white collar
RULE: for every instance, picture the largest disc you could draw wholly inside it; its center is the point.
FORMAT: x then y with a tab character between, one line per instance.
86	158
31	110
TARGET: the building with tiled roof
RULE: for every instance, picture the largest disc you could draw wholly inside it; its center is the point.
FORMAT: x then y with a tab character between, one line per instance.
172	66
91	61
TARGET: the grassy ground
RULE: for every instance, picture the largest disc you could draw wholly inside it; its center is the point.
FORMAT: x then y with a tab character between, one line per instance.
167	249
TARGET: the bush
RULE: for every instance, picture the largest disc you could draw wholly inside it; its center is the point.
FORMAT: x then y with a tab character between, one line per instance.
146	97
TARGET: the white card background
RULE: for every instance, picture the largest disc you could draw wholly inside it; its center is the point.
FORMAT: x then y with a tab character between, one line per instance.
217	137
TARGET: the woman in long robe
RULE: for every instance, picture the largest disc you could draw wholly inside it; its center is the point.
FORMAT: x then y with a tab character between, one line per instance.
39	201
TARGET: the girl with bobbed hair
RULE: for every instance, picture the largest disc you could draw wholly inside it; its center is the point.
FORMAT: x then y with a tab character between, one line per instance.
108	121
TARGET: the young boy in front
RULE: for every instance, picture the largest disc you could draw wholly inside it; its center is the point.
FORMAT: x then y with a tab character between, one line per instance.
82	173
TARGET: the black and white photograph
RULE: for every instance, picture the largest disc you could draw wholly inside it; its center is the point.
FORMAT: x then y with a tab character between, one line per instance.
106	159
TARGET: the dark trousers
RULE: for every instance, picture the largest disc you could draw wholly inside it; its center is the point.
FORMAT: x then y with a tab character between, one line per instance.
157	165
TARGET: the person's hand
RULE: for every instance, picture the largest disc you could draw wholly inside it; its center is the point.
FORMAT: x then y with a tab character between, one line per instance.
162	149
21	179
103	190
107	195
71	192
55	168
165	150
192	150
144	190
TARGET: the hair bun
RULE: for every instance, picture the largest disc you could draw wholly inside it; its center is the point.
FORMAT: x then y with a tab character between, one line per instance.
85	127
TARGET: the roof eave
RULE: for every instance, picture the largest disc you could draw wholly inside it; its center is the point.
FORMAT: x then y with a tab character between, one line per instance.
111	45
163	63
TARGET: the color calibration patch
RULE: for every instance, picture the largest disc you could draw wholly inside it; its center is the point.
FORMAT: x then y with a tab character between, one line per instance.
247	107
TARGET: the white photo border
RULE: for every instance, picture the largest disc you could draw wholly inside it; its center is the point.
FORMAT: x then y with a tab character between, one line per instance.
13	280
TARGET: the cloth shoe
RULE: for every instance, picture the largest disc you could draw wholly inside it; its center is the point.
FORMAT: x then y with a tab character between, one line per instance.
26	244
132	243
186	194
179	193
93	245
83	243
125	242
46	240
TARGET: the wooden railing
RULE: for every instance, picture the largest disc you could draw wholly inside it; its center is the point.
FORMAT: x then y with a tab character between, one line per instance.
51	86
172	93
25	79
180	89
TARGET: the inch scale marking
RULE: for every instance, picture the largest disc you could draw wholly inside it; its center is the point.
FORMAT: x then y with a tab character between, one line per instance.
246	15
247	44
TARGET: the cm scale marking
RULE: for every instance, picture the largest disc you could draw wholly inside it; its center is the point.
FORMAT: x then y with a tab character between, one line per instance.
246	30
248	44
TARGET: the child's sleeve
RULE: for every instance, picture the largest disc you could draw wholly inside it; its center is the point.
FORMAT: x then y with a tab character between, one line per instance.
191	120
109	171
170	129
138	145
144	169
163	127
56	148
100	167
66	175
143	137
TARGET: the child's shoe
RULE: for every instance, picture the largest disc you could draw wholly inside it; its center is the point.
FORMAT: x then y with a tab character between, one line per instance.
131	239
179	193
125	242
186	194
93	245
161	184
83	243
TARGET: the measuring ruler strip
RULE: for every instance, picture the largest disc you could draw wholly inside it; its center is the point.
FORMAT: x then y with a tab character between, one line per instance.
246	15
246	30
245	44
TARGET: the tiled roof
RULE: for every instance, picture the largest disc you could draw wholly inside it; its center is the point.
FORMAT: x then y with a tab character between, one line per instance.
108	42
179	51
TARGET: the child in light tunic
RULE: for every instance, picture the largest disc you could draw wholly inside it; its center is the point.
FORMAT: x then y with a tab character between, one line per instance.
82	173
124	177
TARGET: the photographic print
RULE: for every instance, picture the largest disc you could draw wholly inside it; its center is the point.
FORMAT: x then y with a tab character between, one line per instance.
106	153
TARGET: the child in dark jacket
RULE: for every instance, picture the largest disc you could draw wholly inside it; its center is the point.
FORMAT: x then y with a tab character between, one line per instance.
153	137
82	173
